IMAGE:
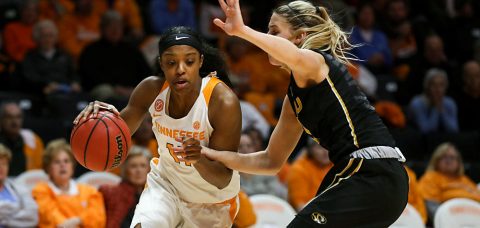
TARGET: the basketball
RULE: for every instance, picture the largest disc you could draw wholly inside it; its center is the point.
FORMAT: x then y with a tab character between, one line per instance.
101	143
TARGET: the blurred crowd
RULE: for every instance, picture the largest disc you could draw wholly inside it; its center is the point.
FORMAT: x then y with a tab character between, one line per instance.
418	62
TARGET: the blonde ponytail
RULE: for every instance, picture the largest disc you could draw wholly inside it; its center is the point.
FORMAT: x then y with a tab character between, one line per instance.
322	32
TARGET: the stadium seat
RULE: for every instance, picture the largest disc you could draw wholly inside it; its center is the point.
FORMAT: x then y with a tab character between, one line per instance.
410	218
95	179
30	178
271	211
458	213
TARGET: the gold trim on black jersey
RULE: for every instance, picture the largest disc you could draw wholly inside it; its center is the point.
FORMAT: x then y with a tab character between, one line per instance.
345	111
336	182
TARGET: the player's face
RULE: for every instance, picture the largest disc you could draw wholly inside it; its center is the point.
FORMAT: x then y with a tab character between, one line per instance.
278	26
136	170
181	66
61	168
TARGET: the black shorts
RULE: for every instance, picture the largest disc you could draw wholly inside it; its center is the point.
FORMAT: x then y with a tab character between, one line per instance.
358	193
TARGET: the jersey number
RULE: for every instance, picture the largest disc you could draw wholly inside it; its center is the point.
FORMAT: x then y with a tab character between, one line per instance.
298	105
172	153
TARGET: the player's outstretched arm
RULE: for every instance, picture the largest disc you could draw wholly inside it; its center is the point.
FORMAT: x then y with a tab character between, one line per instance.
138	104
283	141
304	63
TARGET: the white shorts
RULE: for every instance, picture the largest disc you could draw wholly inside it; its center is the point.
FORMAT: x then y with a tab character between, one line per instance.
159	206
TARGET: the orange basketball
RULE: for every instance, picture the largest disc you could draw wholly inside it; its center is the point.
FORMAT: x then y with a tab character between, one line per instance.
101	143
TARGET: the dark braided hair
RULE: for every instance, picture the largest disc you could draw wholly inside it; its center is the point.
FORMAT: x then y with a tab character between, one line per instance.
212	61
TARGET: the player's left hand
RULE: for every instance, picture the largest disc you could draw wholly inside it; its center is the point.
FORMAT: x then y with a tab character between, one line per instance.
190	151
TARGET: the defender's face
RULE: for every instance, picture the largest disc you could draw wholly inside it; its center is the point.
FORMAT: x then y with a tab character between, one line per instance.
278	26
181	66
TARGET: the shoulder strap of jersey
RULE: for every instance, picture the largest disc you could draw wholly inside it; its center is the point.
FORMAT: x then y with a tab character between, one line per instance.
164	87
208	90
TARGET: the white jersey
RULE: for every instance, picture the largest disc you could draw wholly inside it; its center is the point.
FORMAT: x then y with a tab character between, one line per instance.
186	180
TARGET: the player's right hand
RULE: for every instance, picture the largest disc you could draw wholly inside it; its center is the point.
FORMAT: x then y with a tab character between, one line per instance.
93	108
233	23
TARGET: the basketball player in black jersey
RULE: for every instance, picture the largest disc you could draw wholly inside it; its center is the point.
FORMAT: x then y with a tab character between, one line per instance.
367	187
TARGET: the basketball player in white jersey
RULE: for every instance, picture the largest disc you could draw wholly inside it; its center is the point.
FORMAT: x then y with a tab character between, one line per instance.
190	108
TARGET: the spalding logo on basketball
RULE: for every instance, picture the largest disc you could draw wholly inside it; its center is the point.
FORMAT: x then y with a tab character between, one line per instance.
196	125
159	105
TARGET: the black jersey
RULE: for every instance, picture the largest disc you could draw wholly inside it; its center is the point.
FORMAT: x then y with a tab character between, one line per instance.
337	114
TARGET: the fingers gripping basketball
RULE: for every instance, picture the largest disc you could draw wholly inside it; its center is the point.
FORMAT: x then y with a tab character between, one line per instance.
101	142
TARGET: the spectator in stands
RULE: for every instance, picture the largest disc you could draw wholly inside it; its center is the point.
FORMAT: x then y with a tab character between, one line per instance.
246	214
209	9
433	111
373	49
61	201
403	44
144	137
252	118
55	10
168	13
17	207
80	28
439	14
258	142
433	57
130	12
47	67
415	198
17	35
306	174
26	146
464	31
468	100
258	184
445	178
121	199
400	31
110	68
396	13
248	65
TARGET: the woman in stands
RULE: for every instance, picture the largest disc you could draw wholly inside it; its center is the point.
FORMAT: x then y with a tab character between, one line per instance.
121	199
445	178
61	201
17	208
